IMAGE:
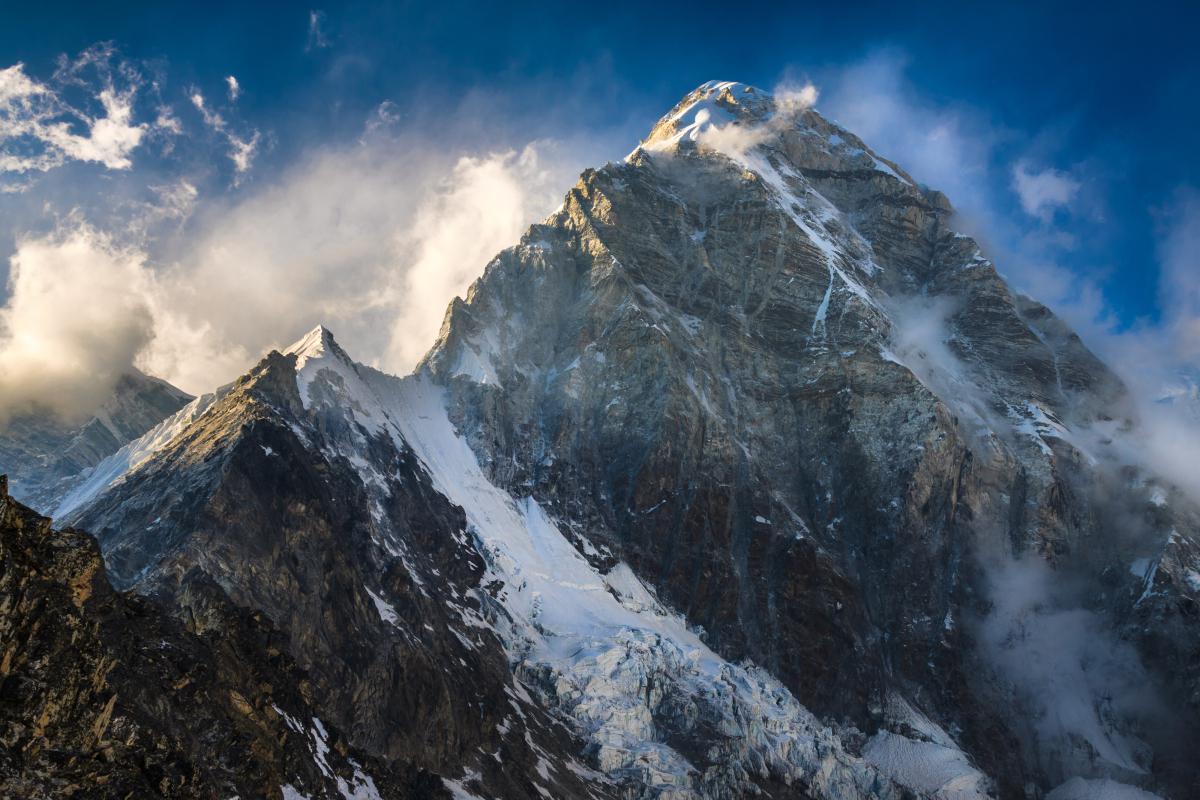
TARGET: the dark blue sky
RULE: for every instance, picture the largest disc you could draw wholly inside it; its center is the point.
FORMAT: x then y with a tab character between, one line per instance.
1106	94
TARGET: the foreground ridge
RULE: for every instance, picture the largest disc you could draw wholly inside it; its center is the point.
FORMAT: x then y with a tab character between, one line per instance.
106	695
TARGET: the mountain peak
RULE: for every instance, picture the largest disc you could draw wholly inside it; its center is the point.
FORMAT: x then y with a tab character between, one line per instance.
745	123
314	344
712	104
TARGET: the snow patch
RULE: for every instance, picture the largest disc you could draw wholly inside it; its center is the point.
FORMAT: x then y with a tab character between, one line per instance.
930	768
1099	789
386	612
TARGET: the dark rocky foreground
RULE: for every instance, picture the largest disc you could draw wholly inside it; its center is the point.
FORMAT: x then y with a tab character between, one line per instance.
103	694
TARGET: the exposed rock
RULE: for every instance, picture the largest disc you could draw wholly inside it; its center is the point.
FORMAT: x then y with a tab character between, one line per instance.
104	694
757	362
375	588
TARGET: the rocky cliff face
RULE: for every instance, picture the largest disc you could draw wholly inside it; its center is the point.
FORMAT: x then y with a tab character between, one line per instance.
104	694
47	456
758	362
743	473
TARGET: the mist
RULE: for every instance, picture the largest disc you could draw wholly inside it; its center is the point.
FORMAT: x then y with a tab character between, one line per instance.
78	317
1082	691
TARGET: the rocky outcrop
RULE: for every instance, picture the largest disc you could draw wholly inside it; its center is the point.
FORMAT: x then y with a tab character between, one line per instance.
442	621
375	588
104	694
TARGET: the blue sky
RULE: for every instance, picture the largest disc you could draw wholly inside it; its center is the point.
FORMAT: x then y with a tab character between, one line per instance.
1064	133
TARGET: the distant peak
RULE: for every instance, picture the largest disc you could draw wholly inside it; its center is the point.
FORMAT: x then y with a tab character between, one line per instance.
316	343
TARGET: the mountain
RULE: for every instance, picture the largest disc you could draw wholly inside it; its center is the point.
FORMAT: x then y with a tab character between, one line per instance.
47	455
756	362
444	622
743	473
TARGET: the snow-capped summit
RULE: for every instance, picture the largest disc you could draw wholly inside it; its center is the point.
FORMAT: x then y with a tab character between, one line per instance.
748	124
711	106
314	343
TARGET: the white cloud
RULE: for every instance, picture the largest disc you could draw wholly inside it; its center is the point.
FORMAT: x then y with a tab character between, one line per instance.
317	39
385	116
481	207
791	100
372	240
235	89
735	140
242	149
77	316
211	118
171	203
1043	192
39	130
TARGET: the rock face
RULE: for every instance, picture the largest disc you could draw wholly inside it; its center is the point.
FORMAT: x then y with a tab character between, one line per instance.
756	361
744	473
104	694
47	456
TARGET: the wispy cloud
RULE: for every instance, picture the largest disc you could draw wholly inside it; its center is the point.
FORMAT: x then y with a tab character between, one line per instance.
1042	192
234	88
317	40
242	147
41	130
1179	278
734	139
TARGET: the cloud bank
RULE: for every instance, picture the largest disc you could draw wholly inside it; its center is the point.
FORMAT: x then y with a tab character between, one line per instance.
79	315
372	241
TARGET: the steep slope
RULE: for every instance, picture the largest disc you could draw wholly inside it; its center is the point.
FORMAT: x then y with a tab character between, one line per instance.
104	695
322	492
276	494
47	456
756	361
